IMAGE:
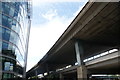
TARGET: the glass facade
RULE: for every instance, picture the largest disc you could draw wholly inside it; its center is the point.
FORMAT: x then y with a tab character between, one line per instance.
14	31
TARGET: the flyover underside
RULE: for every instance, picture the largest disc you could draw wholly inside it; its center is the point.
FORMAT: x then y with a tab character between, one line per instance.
97	28
108	64
100	32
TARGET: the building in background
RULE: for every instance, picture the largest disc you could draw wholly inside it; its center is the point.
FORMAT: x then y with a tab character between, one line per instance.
15	20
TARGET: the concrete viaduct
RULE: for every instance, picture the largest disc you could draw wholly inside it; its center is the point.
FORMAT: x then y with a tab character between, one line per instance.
92	41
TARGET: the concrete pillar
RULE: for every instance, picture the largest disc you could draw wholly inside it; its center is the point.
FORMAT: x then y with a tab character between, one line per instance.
82	73
79	53
48	74
81	70
36	74
61	76
47	68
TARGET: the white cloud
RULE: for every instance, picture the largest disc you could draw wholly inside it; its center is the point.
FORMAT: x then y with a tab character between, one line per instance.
50	14
43	2
40	2
43	36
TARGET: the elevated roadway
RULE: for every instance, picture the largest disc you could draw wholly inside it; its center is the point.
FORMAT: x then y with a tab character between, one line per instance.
94	30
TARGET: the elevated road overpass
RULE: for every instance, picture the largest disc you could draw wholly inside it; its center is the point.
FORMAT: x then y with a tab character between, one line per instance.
95	29
106	64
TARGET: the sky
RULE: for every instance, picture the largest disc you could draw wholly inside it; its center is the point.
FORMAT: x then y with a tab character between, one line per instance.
49	20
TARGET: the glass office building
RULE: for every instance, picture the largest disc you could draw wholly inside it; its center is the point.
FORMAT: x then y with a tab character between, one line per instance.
14	36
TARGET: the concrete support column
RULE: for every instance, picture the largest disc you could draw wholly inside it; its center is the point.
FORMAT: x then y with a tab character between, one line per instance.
61	76
82	73
81	70
47	68
79	53
36	74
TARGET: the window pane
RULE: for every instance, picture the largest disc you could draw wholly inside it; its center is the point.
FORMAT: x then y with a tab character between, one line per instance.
0	32
12	10
0	6
4	20
4	46
0	46
6	34
0	18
